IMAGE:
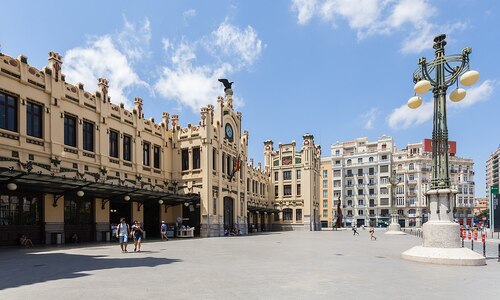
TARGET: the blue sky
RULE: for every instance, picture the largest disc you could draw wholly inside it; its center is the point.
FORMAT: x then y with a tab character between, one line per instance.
338	69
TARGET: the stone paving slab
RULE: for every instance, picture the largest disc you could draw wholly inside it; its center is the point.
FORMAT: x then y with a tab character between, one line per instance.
281	265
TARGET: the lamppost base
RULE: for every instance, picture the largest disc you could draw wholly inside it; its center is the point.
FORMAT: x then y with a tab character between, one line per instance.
441	245
444	256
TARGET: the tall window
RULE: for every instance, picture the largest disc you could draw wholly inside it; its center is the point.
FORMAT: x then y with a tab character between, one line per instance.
77	211
34	119
298	214
298	190
8	112
214	159
146	154
287	175
127	147
88	136
287	190
185	159
113	143
287	214
196	158
17	210
69	131
156	156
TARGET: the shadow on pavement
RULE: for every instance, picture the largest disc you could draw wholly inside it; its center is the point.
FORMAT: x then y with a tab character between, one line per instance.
20	269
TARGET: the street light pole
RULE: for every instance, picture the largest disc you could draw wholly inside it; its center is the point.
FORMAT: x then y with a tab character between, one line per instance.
394	227
441	239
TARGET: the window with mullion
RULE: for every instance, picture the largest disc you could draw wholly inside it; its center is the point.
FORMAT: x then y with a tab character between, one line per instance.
8	112
146	160
88	136
34	119
113	143
69	130
127	147
156	156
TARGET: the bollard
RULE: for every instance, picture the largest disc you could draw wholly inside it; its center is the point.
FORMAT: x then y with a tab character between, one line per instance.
483	239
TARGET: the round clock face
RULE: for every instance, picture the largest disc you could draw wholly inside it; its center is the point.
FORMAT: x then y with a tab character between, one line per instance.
229	131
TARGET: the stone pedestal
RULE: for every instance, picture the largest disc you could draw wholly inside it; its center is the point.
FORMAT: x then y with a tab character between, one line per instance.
441	240
394	228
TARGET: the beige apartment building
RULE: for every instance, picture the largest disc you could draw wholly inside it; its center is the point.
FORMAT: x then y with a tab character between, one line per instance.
73	162
326	209
363	172
295	180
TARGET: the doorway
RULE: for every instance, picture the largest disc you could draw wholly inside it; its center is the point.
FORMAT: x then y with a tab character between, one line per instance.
152	220
228	213
118	210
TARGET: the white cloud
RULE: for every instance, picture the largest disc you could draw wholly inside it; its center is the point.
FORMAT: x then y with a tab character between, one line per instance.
369	118
188	14
305	10
244	45
135	40
194	84
379	17
476	94
404	117
100	58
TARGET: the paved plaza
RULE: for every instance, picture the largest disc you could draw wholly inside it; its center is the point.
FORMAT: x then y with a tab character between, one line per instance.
275	265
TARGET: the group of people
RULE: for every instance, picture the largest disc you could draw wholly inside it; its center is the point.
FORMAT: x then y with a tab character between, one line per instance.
124	231
372	231
232	232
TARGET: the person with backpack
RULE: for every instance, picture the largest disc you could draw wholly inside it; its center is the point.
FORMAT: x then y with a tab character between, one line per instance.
137	233
122	233
163	231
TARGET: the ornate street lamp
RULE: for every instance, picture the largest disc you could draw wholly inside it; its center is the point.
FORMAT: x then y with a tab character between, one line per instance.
441	239
394	227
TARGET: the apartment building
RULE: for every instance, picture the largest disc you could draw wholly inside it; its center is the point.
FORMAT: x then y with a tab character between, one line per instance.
360	169
326	211
373	179
492	171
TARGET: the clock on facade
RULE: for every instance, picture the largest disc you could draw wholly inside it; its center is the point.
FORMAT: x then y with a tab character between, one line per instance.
229	132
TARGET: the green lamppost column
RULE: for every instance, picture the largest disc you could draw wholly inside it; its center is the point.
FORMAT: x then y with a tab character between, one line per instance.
441	240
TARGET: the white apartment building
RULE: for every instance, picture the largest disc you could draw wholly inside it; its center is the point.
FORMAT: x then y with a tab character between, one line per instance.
413	166
362	171
359	168
492	173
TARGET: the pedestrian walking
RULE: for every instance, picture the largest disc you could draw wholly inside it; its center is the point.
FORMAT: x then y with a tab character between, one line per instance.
163	231
122	233
372	234
355	230
137	233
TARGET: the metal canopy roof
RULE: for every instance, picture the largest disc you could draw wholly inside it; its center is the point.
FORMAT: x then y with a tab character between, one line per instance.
41	183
